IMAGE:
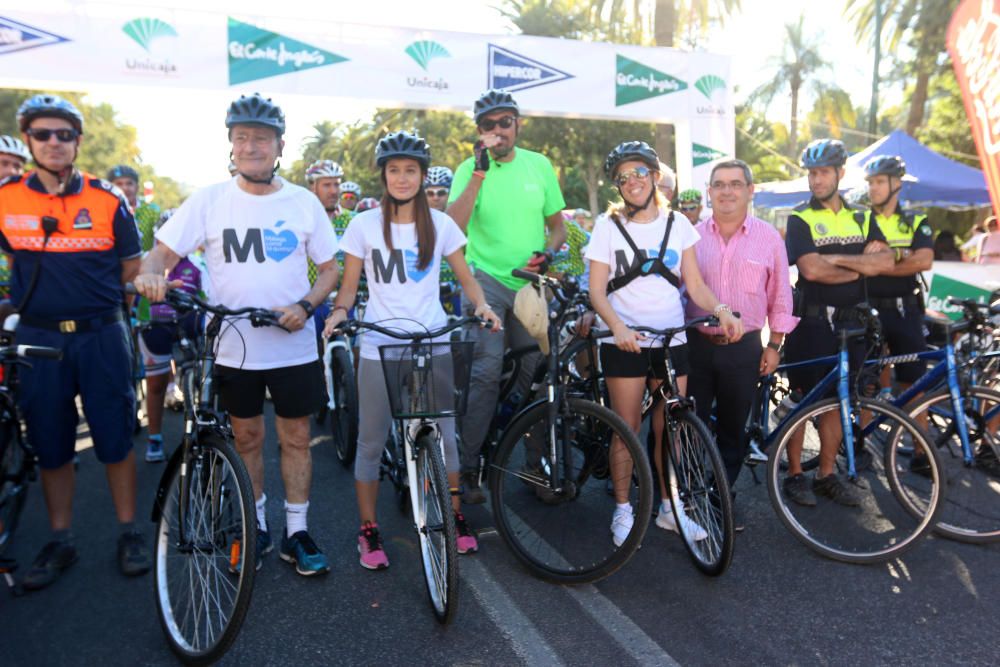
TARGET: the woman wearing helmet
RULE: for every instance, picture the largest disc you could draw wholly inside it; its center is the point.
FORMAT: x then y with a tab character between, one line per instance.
400	246
624	297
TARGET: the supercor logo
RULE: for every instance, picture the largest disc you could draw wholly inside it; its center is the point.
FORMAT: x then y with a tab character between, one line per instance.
17	36
511	71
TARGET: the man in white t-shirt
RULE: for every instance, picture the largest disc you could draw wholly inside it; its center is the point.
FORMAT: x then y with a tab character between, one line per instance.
258	231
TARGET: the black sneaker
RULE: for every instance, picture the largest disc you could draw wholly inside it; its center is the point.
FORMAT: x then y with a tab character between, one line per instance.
837	490
986	459
133	554
54	557
739	518
920	465
302	552
799	491
472	493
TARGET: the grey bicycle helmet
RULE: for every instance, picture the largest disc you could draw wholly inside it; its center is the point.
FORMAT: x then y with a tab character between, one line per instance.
439	176
123	171
631	150
14	146
323	169
48	106
494	100
256	110
889	165
824	153
402	145
352	187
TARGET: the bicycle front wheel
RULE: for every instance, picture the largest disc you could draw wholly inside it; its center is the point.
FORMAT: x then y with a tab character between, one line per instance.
13	481
344	419
970	511
876	515
435	523
561	534
206	553
699	489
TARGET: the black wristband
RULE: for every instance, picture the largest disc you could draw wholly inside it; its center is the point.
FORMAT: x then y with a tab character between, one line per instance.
306	306
774	346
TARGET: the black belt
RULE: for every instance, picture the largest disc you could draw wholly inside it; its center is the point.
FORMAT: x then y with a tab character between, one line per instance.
71	326
845	314
887	302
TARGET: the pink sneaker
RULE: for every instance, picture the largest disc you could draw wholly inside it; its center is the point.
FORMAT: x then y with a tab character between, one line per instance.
466	541
370	547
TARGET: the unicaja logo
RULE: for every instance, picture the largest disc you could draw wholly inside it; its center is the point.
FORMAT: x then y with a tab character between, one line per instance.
424	51
144	31
709	84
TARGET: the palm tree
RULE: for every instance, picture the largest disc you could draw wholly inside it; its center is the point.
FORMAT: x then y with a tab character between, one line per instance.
923	25
799	63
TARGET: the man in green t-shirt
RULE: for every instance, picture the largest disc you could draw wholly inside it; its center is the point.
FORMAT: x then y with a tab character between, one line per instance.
503	198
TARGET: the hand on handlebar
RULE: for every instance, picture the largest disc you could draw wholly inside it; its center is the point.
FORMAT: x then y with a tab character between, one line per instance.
626	338
732	325
336	318
483	311
585	323
154	286
292	318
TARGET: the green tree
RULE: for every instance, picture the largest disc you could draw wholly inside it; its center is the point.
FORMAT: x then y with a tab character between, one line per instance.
757	143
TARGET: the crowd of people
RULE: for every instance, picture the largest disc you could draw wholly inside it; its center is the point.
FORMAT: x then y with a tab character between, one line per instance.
256	239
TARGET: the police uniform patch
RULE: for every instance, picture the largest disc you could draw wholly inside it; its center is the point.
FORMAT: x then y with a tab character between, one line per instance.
82	220
925	229
821	228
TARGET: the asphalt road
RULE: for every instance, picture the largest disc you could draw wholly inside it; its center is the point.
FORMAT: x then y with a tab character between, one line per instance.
778	604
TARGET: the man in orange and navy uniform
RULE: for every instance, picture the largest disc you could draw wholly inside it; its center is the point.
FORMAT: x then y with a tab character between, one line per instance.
74	242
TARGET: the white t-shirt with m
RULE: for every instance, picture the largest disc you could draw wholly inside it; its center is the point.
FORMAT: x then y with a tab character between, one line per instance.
255	251
400	295
650	300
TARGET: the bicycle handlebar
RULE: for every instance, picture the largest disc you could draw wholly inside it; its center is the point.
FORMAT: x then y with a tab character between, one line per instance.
36	351
187	302
707	320
351	327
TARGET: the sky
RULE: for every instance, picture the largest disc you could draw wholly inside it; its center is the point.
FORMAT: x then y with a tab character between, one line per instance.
753	37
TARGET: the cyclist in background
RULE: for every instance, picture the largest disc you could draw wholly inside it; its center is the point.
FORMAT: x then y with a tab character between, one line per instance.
14	156
366	204
584	219
437	185
323	178
689	203
350	195
147	214
626	289
398	245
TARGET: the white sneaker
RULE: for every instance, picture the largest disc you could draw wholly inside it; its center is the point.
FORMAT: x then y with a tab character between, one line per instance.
621	525
665	519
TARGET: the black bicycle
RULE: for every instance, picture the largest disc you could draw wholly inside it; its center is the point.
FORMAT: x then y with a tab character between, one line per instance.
206	525
17	458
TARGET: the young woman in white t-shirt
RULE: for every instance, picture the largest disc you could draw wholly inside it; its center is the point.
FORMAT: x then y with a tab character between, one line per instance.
651	300
400	246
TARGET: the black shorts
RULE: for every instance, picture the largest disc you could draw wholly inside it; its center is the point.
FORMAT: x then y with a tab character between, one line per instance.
904	334
651	362
297	391
814	337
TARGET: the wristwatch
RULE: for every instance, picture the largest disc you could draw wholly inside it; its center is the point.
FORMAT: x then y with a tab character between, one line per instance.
774	346
306	306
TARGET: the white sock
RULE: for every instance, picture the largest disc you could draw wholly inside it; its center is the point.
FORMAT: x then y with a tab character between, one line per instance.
624	507
665	507
261	515
295	517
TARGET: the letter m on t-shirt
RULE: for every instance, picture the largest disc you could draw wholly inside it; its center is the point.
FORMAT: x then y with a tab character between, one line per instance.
251	242
383	271
623	266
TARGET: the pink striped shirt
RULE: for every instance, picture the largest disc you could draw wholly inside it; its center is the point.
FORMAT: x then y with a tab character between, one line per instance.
749	273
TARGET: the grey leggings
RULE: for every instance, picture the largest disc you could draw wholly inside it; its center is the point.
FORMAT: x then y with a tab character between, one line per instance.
376	418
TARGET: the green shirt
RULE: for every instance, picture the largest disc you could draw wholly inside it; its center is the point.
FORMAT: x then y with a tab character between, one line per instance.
339	225
569	259
146	217
508	220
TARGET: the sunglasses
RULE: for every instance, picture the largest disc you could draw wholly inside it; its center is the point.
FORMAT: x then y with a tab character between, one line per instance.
639	172
65	136
348	195
437	192
504	122
689	208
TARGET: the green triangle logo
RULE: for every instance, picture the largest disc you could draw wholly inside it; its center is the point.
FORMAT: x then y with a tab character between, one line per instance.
635	82
259	54
704	154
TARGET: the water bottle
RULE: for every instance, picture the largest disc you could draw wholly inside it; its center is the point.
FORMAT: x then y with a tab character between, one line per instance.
787	404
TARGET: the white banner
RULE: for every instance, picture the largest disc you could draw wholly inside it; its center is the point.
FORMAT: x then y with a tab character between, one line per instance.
397	67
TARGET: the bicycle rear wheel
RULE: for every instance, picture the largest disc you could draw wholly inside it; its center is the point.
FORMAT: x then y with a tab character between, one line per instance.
435	524
699	488
970	512
204	573
13	482
344	418
562	536
893	509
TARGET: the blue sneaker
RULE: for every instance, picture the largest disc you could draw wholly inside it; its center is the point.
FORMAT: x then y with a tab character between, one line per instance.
154	451
264	546
303	552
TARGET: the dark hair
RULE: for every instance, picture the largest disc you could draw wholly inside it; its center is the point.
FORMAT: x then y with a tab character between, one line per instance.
945	248
426	236
733	164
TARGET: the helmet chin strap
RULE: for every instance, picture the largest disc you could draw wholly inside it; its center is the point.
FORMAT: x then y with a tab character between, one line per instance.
631	209
63	175
888	198
258	181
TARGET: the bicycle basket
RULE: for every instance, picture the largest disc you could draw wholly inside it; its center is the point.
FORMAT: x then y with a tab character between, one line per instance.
427	379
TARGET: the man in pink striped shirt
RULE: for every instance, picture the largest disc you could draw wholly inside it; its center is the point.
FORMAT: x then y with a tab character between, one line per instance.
743	261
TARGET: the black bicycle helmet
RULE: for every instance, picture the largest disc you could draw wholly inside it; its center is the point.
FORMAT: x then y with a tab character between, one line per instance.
402	144
123	171
48	106
889	165
631	150
824	153
256	110
494	100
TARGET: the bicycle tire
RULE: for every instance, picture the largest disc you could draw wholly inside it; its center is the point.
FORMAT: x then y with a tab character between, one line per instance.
140	404
555	535
13	482
435	523
699	487
883	525
971	509
344	418
222	557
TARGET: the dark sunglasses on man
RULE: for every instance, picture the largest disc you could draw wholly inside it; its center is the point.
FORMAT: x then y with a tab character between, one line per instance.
504	122
437	192
689	207
43	135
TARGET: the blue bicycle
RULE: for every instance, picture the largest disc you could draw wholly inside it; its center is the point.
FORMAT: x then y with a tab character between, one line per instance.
868	442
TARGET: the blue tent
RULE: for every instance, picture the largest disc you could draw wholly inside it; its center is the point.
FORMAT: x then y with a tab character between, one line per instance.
931	179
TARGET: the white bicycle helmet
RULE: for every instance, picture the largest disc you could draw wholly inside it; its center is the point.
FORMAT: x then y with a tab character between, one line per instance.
323	169
14	146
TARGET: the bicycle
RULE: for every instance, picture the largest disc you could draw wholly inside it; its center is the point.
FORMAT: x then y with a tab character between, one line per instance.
547	478
695	472
342	389
205	556
415	448
896	508
18	465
